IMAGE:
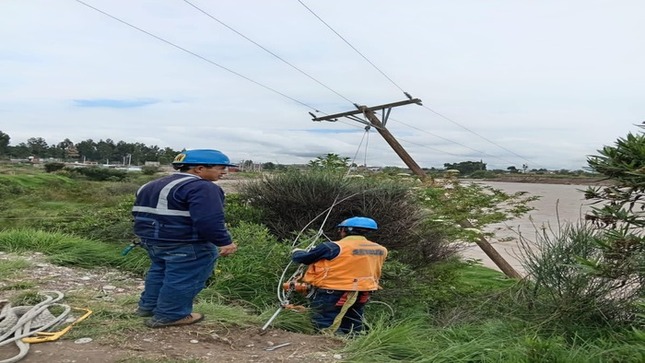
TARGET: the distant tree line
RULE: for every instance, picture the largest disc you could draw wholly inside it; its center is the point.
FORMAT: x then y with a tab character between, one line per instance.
87	150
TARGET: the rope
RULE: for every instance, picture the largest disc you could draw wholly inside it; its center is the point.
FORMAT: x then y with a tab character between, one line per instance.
283	296
22	321
351	299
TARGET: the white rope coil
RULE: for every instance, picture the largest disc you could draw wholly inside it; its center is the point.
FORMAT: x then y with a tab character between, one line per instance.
23	321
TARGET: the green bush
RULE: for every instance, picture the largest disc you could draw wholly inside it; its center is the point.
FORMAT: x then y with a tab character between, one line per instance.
100	174
293	201
52	167
252	273
149	169
564	290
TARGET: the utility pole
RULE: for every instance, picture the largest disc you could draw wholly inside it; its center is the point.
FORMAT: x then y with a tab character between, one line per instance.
373	121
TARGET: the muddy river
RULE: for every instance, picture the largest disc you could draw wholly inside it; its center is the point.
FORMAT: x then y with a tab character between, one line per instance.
558	202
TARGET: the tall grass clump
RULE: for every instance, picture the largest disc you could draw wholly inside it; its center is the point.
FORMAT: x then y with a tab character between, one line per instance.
564	291
69	250
251	275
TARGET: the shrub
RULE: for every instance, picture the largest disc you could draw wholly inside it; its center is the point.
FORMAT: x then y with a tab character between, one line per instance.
293	201
100	174
563	290
52	167
149	169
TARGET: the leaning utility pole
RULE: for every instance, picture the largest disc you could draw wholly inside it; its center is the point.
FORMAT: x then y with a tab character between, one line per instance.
368	112
373	121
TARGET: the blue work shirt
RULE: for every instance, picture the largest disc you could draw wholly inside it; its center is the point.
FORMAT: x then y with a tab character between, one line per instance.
181	208
326	250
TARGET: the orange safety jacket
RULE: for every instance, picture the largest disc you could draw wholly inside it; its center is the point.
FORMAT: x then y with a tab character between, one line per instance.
356	268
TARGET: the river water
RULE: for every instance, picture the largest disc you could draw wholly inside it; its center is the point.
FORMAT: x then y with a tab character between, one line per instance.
558	202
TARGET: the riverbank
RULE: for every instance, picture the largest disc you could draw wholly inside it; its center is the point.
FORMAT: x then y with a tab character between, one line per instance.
549	179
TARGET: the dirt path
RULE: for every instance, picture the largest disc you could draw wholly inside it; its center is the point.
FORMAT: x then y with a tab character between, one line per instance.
207	341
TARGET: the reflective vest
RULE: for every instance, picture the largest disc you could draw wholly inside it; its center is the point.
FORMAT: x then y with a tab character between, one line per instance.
158	216
356	268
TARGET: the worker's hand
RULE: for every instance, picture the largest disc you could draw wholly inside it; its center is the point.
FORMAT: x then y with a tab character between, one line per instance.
228	249
298	250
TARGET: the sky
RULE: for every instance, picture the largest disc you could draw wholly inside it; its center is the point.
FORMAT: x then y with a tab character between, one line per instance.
543	83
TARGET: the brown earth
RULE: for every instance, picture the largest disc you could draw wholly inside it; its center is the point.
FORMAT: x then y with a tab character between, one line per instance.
207	341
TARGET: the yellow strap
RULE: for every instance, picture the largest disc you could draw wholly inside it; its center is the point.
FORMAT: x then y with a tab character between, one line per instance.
351	299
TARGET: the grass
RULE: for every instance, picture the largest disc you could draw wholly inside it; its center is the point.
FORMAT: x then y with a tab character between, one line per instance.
12	267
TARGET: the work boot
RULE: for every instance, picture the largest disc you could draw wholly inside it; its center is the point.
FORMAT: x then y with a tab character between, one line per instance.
143	313
190	319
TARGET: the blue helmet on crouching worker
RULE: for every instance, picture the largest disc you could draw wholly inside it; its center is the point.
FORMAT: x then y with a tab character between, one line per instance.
358	225
205	157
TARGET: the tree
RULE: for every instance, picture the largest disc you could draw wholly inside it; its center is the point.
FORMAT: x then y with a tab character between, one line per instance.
38	147
466	167
621	206
329	162
512	169
4	143
87	150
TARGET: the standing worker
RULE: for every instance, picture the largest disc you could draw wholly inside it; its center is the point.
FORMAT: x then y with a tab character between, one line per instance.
180	222
343	275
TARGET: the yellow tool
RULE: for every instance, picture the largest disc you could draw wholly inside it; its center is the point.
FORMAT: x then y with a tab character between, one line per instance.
42	337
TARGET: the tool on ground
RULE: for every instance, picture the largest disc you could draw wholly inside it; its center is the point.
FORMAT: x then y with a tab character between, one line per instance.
42	337
277	346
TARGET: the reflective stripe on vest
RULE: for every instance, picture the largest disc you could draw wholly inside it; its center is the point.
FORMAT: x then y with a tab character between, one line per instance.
356	268
162	202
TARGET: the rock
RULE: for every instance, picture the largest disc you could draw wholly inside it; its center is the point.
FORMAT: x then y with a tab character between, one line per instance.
194	341
82	340
338	356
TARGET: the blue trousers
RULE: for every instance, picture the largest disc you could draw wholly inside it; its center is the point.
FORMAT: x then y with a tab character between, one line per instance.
326	305
177	274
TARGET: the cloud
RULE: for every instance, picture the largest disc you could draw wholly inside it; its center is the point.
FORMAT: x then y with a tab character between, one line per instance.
115	103
332	131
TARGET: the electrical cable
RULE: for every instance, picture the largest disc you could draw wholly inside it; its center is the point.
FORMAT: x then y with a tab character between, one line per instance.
267	50
473	132
196	55
351	46
400	88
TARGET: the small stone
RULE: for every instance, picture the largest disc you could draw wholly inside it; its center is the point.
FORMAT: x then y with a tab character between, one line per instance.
86	278
149	340
270	343
109	287
82	340
338	356
194	341
250	345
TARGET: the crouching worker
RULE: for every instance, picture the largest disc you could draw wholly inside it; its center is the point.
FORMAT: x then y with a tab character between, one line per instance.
180	222
343	274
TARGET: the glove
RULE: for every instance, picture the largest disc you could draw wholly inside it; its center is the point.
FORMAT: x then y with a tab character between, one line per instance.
298	250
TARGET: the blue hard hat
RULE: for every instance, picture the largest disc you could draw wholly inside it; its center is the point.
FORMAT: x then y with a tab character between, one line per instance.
202	157
359	222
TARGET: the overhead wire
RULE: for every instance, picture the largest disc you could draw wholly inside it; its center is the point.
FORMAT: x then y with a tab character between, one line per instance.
400	88
473	132
452	141
267	50
197	55
350	45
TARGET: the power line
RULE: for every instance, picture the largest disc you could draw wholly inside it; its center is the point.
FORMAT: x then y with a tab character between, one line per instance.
351	46
399	87
196	55
473	132
267	50
452	141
